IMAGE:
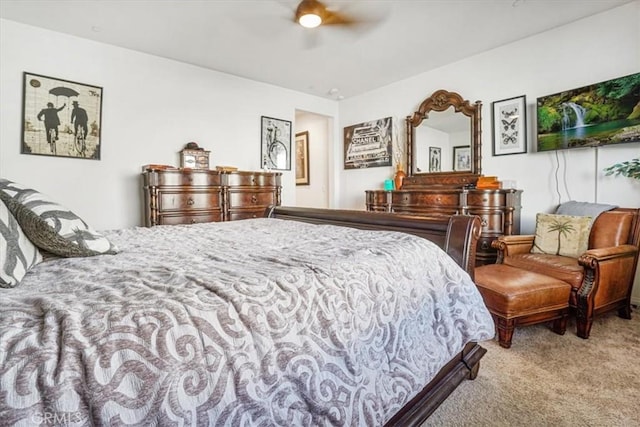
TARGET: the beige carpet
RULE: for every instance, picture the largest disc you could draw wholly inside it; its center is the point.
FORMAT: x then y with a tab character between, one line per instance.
546	379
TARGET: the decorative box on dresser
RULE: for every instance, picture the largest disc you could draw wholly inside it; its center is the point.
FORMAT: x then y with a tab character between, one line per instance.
188	196
499	210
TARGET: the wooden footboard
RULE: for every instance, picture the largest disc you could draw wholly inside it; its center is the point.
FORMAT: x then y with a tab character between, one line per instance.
464	365
456	234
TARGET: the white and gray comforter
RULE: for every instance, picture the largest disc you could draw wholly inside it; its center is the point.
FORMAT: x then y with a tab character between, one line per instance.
259	322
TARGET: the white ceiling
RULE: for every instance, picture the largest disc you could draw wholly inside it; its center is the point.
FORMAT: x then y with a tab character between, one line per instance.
258	39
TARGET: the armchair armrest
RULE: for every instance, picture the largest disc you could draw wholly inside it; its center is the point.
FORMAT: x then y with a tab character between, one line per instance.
512	245
608	279
593	256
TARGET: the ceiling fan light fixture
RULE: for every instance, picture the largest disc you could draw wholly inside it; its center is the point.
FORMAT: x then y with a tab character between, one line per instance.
309	13
310	20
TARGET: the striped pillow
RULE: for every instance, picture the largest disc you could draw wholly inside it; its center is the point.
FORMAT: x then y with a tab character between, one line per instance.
50	226
17	253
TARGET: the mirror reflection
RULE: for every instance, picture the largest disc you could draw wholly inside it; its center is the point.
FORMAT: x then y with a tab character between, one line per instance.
442	143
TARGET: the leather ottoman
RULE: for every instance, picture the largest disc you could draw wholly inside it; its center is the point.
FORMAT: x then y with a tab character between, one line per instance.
518	297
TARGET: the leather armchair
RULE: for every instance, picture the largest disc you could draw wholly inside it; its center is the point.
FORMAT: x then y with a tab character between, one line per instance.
601	278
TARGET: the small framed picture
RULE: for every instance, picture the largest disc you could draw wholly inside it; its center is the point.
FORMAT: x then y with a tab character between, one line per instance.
509	126
462	158
276	143
435	158
302	158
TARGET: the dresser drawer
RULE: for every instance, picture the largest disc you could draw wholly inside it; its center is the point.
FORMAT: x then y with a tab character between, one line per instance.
491	222
377	197
425	211
484	244
188	200
494	199
245	214
251	199
184	177
251	179
174	219
429	200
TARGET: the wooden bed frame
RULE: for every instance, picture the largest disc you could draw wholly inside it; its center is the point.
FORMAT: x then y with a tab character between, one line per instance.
457	235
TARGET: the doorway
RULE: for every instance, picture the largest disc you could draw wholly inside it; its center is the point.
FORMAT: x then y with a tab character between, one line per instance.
315	194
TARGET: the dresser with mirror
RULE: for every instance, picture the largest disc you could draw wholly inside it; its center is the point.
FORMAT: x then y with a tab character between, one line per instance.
444	162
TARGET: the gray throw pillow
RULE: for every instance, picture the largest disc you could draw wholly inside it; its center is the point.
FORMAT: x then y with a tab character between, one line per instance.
50	226
17	253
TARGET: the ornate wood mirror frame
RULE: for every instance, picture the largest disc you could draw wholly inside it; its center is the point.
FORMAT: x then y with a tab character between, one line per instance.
441	101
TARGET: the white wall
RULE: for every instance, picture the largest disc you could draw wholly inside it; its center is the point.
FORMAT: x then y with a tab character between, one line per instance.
151	108
591	50
316	194
598	48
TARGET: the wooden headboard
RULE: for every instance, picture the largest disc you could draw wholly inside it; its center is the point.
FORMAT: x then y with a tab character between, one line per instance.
456	234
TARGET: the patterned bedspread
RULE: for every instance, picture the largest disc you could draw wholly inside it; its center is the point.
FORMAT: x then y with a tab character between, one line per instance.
259	322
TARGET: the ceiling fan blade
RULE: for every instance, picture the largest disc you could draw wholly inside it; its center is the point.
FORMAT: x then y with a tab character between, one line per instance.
358	15
337	18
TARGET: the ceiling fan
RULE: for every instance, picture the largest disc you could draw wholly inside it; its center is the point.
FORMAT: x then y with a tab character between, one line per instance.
312	13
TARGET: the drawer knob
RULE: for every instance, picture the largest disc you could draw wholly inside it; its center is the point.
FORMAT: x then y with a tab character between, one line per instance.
193	221
483	222
254	199
484	245
190	201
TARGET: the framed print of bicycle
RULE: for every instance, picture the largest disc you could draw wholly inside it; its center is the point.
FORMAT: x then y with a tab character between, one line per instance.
276	143
60	118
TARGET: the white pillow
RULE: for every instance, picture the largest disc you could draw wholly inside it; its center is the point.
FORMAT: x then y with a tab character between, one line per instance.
17	253
51	226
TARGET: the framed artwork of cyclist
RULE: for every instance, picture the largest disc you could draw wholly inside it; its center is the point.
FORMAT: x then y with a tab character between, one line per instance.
275	150
60	117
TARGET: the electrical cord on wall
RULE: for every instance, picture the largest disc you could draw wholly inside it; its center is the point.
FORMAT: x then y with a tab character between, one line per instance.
564	176
595	186
556	176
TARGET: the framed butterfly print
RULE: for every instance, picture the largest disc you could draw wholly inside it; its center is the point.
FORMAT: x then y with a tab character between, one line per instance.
509	126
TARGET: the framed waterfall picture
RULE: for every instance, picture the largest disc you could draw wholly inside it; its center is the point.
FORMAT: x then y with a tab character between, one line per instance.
60	118
509	118
596	115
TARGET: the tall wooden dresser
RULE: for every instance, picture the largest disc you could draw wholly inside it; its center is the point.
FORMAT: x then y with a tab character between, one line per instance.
499	210
188	196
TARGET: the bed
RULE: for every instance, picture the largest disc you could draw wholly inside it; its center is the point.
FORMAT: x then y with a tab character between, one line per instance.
303	317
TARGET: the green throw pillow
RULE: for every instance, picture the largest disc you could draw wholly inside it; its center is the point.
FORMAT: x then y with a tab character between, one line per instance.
565	235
